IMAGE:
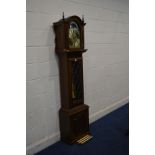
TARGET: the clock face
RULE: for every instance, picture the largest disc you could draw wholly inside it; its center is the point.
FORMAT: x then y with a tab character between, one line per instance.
74	35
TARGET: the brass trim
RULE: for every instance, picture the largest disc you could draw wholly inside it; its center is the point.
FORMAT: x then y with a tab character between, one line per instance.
84	139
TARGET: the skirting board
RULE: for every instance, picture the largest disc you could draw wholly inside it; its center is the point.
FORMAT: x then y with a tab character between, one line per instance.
42	144
47	141
95	116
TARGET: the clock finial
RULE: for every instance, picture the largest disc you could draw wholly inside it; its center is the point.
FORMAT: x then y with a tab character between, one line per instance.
63	16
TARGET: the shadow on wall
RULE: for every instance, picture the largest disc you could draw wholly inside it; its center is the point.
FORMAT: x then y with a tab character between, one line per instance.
52	55
54	68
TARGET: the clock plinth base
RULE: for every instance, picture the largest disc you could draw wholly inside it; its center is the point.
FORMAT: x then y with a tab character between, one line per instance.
74	123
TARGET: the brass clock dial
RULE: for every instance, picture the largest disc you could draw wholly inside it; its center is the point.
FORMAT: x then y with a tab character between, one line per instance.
74	35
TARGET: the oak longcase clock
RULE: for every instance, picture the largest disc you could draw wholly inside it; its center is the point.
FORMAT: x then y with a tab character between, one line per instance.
73	114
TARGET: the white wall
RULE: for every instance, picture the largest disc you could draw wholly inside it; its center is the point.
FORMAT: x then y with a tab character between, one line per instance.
105	63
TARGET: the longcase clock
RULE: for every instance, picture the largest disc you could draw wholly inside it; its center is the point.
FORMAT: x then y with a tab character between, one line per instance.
73	114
